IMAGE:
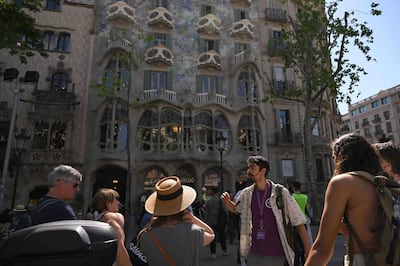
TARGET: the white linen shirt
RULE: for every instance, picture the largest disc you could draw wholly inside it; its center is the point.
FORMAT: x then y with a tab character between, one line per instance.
293	213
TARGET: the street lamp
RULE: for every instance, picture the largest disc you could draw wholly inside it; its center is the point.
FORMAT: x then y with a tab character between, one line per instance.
20	140
221	147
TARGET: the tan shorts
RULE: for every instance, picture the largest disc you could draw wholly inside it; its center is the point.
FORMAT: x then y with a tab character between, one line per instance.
358	260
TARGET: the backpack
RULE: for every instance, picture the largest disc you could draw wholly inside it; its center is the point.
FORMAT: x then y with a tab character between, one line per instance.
388	252
27	219
292	236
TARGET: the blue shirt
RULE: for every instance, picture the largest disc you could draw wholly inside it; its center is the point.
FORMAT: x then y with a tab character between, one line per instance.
50	210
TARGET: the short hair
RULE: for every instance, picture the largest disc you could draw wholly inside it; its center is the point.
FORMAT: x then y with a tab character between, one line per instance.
390	153
296	185
63	172
260	161
102	197
353	152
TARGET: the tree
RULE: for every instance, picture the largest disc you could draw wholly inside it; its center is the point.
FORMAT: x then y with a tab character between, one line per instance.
315	46
17	31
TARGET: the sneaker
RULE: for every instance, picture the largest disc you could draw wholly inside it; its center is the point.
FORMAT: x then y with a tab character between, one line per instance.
225	253
213	256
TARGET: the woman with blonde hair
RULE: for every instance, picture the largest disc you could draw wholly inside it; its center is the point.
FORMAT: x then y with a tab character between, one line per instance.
106	203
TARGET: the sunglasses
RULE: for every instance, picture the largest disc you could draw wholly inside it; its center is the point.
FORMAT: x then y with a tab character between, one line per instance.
74	185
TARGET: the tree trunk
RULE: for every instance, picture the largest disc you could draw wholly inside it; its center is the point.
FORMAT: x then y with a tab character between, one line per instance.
309	169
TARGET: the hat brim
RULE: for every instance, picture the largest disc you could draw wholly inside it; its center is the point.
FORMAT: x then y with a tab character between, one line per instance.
18	210
164	208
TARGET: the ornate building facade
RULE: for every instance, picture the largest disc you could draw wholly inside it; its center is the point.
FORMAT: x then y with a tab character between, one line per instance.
146	89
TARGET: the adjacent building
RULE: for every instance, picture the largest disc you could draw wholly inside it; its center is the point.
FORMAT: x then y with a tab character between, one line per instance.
376	117
146	89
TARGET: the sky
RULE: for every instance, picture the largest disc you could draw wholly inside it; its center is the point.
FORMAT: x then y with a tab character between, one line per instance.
384	72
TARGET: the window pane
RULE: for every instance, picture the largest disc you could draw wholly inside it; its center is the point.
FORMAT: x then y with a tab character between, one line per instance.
63	42
53	5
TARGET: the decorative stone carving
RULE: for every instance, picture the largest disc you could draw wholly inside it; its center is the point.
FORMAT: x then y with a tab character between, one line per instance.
159	55
209	24
160	17
243	30
121	15
209	59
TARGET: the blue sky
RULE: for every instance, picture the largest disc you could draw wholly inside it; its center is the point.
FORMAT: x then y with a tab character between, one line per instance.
384	72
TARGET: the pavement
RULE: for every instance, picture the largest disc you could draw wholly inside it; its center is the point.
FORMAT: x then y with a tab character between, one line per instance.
230	259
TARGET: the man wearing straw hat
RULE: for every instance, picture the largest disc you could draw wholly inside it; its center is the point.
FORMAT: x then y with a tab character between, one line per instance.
175	235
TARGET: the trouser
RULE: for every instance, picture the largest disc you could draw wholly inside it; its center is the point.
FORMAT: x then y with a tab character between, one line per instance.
358	260
221	236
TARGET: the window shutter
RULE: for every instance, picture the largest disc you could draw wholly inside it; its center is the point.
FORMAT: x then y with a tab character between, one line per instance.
201	45
236	15
147	80
169	81
165	4
216	42
199	88
168	40
213	10
219	86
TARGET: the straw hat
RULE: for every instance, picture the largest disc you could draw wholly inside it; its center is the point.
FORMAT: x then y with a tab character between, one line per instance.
20	208
170	197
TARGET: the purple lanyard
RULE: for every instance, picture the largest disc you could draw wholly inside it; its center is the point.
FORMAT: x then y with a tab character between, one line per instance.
260	203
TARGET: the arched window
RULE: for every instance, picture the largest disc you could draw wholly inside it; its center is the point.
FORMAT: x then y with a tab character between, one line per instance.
249	133
187	130
204	132
147	131
59	81
113	129
221	126
247	85
117	75
170	130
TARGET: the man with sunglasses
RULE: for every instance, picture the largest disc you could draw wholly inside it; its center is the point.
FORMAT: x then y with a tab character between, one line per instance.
262	234
63	182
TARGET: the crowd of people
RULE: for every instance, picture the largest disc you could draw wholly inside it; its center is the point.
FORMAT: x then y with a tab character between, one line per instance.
176	222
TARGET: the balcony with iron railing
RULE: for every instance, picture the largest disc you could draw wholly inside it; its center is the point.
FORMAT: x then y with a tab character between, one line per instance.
276	15
275	47
281	86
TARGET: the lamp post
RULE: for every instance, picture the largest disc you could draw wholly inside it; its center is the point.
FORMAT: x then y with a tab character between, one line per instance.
221	147
11	74
20	140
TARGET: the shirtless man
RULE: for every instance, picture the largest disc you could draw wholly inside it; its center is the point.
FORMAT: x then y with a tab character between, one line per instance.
351	194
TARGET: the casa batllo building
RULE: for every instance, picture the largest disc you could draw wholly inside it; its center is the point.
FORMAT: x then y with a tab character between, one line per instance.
148	89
